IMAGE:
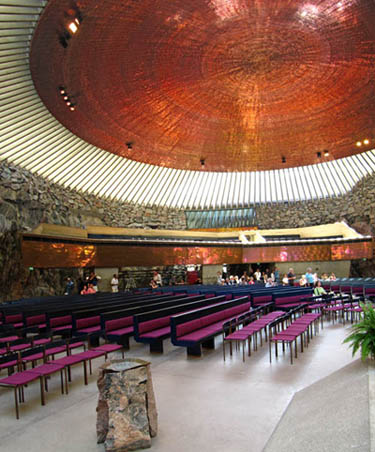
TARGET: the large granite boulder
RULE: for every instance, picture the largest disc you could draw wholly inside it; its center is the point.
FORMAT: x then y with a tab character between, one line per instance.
126	411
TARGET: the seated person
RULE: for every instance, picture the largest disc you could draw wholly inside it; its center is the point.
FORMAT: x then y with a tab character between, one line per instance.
269	283
90	289
319	290
285	280
302	281
153	284
84	290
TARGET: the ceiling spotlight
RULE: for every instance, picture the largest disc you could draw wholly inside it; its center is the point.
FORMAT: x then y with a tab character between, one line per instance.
358	144
66	98
68	103
326	153
73	27
202	162
319	154
129	145
283	159
62	90
72	107
366	141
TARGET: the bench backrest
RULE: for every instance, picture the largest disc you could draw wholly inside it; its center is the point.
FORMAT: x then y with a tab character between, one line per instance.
154	320
191	321
130	312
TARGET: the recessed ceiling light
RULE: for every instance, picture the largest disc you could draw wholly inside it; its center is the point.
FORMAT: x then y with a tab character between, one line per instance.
326	153
358	144
73	27
366	141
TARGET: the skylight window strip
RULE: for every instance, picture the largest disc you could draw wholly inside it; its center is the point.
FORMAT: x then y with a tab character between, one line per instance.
360	164
319	175
169	196
206	193
40	159
79	163
302	195
154	189
203	188
23	149
18	143
293	196
241	189
283	184
272	186
124	184
190	191
342	175
307	178
350	172
247	193
230	178
138	183
165	186
132	176
370	159
148	180
329	180
62	165
87	172
181	192
211	191
96	172
112	179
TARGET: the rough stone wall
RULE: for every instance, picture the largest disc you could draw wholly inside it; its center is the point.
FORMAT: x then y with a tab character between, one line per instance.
27	200
356	207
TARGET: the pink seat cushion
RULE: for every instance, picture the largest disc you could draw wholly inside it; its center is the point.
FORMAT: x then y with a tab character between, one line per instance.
68	360
8	339
91	354
55	350
157	333
92	329
20	378
8	364
63	320
115	324
63	327
108	347
153	324
47	369
34	357
121	331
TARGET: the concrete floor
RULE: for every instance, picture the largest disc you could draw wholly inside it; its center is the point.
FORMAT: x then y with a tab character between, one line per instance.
204	404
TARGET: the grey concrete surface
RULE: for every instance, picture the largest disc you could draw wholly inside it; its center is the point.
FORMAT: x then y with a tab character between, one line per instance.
204	404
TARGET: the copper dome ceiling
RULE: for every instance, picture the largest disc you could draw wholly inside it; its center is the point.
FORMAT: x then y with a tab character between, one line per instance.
238	83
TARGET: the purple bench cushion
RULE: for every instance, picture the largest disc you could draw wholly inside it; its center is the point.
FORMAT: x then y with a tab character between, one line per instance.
187	327
115	324
154	324
92	329
262	299
215	320
157	333
14	318
87	322
36	320
59	321
121	331
62	327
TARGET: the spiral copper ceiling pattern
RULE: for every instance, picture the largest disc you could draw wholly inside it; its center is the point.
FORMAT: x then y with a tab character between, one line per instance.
238	83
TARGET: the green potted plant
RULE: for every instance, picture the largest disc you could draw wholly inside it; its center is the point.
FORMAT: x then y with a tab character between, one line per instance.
363	333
